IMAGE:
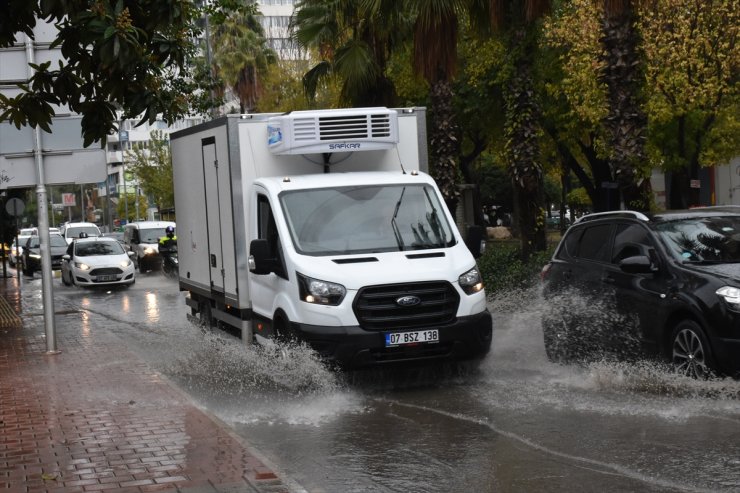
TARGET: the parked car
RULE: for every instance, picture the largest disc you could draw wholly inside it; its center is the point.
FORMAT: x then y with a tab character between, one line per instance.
70	231
31	258
96	262
668	284
16	249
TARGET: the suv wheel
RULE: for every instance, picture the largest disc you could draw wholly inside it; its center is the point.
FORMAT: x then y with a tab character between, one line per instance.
690	352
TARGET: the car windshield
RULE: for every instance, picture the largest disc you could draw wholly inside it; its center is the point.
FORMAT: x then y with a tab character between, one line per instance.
705	239
151	235
91	248
366	219
54	240
74	231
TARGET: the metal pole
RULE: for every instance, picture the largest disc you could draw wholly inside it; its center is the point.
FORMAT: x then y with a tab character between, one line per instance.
43	218
125	193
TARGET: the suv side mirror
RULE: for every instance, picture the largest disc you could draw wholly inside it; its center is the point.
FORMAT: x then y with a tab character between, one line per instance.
260	262
638	264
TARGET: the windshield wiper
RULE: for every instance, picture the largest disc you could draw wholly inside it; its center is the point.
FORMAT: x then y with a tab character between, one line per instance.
396	232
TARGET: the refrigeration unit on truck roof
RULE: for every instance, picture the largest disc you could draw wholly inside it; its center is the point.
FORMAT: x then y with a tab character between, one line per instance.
327	131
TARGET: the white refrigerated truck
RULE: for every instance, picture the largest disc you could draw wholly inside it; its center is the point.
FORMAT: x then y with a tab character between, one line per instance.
323	226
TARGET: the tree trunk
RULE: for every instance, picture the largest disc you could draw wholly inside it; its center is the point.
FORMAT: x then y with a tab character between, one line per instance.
444	148
626	123
522	146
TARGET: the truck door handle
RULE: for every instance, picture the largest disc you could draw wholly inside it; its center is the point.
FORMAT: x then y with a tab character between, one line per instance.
214	263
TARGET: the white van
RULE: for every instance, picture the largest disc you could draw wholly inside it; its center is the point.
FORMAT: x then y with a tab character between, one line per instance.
70	231
323	225
142	238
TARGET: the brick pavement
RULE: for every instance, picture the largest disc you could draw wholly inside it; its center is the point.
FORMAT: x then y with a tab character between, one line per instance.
97	418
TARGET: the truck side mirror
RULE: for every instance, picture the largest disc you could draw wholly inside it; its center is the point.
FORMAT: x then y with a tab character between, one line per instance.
474	240
260	261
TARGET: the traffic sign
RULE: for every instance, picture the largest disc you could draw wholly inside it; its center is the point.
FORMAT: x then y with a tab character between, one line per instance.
14	206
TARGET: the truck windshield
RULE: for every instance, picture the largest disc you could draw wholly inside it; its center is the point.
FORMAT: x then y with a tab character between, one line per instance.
366	219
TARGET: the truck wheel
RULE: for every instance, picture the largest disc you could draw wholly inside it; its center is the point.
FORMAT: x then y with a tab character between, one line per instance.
282	330
690	352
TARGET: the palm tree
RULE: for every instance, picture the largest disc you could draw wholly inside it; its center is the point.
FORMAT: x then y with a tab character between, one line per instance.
515	19
241	55
626	123
353	41
435	58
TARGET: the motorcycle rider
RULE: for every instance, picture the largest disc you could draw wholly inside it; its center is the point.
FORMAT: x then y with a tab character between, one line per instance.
168	243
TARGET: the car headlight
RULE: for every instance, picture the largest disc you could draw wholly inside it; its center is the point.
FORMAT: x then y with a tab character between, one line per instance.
125	263
471	282
320	292
731	295
82	266
34	255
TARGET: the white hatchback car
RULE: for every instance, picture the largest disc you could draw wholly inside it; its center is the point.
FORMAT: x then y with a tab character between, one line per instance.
100	261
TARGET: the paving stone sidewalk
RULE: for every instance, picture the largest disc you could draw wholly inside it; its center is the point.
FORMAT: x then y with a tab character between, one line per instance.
95	417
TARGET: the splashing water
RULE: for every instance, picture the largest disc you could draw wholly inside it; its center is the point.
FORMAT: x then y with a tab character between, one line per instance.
225	364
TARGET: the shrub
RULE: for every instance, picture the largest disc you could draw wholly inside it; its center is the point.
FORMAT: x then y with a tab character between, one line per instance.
502	267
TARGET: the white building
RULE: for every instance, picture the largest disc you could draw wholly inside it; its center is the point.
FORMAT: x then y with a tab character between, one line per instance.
275	21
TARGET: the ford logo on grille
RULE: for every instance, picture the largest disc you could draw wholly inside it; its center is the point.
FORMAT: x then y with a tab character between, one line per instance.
408	300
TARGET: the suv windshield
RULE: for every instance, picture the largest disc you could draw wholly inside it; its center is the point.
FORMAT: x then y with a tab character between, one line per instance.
366	219
706	239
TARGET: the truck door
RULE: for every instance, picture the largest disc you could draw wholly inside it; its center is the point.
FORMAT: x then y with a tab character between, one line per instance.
264	289
212	177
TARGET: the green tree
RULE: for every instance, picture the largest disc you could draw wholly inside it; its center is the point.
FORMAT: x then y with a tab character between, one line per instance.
131	55
352	41
128	202
152	167
625	122
693	64
516	21
435	59
241	55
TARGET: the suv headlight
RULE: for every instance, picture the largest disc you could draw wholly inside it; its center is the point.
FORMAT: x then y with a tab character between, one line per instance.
320	292
731	295
471	282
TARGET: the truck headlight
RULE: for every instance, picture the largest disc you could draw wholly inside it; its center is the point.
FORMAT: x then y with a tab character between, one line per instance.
471	282
320	292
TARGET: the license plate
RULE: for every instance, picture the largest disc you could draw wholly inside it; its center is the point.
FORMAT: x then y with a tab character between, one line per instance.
414	337
106	278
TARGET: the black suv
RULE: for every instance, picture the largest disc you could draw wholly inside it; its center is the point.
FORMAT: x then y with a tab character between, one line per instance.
624	283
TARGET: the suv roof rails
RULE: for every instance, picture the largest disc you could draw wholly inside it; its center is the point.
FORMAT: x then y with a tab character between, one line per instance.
599	215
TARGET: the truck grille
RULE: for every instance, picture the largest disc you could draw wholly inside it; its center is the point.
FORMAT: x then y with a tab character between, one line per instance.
377	307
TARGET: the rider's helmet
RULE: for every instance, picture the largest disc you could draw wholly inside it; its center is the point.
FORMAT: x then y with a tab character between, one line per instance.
170	230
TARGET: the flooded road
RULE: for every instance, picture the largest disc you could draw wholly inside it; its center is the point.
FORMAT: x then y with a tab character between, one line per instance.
517	423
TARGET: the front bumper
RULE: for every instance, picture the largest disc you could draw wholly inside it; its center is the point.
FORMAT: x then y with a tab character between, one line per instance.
353	347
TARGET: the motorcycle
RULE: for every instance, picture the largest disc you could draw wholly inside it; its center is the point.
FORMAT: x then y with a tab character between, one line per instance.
170	264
